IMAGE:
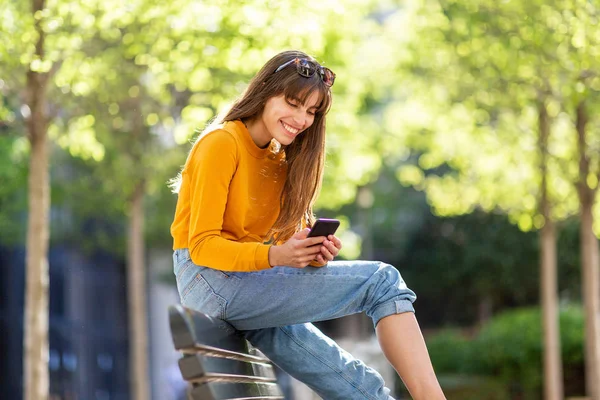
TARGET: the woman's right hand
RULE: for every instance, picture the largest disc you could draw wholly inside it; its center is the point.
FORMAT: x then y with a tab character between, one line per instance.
297	252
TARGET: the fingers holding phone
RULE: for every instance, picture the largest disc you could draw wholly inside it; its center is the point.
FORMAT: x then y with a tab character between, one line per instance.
329	250
331	246
298	252
336	242
316	244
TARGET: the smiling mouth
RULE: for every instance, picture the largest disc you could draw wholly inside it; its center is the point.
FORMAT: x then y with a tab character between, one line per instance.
291	130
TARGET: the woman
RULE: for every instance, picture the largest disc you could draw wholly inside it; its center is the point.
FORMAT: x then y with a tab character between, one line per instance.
241	251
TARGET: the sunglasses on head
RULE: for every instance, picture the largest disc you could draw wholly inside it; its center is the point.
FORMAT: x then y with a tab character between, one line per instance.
307	68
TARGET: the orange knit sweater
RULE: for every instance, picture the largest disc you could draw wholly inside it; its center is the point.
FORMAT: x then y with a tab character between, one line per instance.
228	200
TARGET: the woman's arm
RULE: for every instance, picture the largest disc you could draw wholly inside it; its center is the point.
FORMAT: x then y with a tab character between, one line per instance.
208	174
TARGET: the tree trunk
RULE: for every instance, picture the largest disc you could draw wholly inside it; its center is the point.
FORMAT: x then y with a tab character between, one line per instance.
35	357
589	262
553	374
136	285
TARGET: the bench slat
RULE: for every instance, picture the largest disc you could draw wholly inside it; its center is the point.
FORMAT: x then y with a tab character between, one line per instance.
230	378
197	365
217	352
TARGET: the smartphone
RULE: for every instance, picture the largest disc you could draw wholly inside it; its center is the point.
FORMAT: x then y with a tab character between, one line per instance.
324	227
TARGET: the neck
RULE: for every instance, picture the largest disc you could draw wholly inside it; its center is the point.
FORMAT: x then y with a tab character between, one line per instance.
258	132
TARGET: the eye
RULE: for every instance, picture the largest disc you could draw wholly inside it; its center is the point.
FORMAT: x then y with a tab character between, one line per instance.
311	112
292	103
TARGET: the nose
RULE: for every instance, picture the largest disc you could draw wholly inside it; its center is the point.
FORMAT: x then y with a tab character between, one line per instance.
303	118
300	118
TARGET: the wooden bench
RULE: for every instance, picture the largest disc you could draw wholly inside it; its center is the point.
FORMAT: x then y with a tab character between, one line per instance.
217	361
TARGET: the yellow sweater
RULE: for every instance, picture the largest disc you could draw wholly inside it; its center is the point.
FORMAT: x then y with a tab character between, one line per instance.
228	200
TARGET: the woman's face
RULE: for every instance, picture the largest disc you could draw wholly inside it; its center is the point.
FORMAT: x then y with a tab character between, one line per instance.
284	119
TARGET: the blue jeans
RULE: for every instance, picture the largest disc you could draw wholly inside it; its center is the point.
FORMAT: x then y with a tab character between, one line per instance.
274	309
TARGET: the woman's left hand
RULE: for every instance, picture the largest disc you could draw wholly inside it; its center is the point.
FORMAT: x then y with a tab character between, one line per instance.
329	249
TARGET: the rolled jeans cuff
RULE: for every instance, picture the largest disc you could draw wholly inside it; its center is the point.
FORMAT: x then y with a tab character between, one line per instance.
391	307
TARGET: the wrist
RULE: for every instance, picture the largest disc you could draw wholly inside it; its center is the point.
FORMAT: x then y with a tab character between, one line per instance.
273	256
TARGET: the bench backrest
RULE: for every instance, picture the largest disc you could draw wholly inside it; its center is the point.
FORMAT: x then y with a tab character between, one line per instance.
217	361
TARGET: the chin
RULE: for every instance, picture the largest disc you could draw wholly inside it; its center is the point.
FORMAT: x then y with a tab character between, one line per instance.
287	141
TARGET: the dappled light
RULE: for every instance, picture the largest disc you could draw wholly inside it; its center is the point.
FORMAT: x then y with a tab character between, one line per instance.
462	146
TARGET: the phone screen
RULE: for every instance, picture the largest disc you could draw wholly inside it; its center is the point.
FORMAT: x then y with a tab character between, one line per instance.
324	227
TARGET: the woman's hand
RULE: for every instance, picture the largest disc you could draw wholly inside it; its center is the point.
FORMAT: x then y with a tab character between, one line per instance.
329	250
297	252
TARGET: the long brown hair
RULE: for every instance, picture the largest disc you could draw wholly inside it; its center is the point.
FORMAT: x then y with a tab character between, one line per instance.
305	156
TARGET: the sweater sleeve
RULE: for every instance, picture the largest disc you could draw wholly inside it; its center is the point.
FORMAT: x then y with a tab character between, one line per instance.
209	171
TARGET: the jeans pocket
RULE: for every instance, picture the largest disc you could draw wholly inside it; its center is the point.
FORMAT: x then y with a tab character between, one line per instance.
198	294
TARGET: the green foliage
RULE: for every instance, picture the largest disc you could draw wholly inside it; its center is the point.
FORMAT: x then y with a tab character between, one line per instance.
457	364
474	265
131	84
509	348
480	262
86	213
442	94
451	352
134	83
13	184
479	70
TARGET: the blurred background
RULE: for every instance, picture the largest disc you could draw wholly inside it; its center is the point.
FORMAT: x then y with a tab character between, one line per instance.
463	148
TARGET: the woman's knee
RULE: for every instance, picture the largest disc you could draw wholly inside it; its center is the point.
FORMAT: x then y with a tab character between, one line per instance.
391	275
391	285
390	294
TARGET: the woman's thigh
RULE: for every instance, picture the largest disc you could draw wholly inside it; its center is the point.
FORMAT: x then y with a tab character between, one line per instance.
283	296
286	296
